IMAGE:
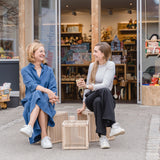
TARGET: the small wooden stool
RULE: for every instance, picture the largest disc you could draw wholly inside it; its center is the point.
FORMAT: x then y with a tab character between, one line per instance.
93	136
55	133
88	115
75	134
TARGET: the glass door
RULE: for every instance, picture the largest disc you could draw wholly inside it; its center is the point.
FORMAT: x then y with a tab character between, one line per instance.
47	30
148	46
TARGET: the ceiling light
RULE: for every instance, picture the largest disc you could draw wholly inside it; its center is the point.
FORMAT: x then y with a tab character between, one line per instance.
67	5
130	3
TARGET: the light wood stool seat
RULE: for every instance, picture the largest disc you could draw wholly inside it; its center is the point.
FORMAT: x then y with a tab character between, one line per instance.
75	134
55	133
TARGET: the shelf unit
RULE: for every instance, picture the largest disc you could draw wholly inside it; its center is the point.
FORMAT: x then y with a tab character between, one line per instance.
69	88
125	33
128	37
68	84
151	49
121	71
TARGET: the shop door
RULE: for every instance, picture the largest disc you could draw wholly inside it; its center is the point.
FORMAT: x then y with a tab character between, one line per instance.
47	30
148	63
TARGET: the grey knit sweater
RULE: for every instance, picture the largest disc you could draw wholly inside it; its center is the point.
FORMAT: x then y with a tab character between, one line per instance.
104	76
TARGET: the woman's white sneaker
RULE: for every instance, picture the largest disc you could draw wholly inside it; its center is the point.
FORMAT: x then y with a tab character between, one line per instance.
116	130
103	141
27	130
46	143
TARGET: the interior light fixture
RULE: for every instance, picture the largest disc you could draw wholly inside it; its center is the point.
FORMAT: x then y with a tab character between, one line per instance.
67	5
130	3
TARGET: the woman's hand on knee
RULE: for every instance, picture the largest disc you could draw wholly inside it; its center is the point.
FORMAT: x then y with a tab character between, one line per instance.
52	97
54	100
51	94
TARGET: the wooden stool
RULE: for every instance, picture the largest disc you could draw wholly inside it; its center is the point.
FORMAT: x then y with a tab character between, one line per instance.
55	133
75	134
93	136
88	115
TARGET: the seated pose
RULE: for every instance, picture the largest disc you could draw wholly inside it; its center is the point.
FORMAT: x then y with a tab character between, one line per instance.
40	96
97	95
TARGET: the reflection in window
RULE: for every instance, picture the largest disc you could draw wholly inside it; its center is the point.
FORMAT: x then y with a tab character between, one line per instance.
8	29
45	28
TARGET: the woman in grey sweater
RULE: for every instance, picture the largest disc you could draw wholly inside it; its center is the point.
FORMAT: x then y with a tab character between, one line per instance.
97	95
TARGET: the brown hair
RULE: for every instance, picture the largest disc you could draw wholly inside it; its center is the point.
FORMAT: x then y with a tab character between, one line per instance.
31	49
106	50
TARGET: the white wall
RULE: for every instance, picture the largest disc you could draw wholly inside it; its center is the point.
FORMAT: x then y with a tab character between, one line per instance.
107	20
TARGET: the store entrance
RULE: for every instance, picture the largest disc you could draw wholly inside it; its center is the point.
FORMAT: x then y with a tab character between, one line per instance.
118	28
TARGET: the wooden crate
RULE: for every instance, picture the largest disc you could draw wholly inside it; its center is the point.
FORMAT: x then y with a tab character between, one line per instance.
88	115
150	95
55	133
75	134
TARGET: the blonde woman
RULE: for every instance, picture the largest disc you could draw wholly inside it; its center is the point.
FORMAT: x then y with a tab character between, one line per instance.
40	96
97	95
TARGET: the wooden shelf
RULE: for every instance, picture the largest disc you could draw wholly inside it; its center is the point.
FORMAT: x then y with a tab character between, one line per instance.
70	82
131	50
152	40
127	30
129	44
131	65
65	45
74	65
152	47
5	100
150	54
71	33
117	51
124	69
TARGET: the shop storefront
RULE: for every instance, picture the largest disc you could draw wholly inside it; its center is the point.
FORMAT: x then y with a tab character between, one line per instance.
148	46
9	54
69	37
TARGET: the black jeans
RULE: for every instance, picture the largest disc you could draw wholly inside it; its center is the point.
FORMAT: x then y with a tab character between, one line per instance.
101	102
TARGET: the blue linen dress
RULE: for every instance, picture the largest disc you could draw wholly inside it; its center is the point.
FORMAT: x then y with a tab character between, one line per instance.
33	96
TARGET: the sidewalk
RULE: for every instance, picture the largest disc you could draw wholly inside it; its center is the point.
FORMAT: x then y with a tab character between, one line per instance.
141	141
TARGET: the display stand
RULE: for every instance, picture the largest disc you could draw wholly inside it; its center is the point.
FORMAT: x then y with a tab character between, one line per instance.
150	95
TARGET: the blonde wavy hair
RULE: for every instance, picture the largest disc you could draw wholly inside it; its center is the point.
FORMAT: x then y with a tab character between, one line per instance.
31	49
106	50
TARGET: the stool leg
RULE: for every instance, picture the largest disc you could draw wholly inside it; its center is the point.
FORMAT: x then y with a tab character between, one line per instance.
110	138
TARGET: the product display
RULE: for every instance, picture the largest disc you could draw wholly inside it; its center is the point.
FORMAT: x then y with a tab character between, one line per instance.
152	47
5	94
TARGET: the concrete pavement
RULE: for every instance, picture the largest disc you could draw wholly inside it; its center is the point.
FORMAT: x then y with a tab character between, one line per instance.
141	141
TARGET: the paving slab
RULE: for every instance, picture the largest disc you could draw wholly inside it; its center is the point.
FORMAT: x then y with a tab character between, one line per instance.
135	119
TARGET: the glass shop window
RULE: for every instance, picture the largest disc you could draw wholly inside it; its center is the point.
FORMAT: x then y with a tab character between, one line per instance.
9	29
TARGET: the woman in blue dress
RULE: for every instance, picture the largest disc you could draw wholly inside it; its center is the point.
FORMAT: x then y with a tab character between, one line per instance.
40	96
